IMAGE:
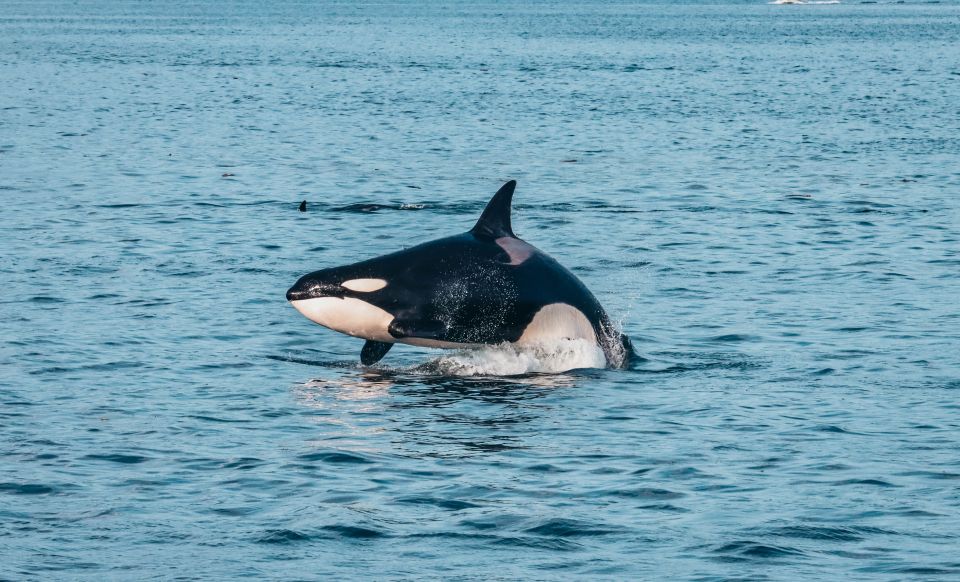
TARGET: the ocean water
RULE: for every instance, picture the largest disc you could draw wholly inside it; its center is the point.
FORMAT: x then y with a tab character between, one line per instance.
765	196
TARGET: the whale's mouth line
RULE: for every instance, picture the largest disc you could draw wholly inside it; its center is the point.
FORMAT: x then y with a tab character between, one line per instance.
296	300
303	291
294	296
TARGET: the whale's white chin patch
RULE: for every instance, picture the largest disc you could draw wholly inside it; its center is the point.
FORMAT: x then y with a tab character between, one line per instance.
558	321
348	315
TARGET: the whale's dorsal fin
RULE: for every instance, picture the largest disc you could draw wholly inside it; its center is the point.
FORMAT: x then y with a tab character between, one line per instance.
495	220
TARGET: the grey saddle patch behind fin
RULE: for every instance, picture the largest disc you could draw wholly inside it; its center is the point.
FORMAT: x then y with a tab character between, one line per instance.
373	352
495	220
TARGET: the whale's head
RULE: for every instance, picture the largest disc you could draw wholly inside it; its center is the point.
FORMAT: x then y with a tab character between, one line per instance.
338	282
343	299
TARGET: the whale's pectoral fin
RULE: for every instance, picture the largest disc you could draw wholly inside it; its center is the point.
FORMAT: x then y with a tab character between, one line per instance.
418	328
373	352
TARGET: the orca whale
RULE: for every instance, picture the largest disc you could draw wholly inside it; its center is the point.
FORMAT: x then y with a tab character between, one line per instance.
485	286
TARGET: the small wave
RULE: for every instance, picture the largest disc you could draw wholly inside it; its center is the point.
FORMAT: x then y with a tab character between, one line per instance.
366	207
118	458
538	543
664	507
44	299
511	360
282	536
450	504
751	549
875	482
354	531
641	493
335	457
835	534
565	528
732	338
27	488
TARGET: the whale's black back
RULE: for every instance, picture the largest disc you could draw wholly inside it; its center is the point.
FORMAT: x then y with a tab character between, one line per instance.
463	289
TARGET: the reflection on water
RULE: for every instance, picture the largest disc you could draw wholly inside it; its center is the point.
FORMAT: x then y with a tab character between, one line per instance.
365	386
429	414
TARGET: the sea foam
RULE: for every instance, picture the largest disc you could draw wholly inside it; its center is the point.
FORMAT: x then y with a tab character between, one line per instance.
512	360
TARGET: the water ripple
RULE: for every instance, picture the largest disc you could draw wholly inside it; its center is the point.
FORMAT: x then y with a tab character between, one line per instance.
768	213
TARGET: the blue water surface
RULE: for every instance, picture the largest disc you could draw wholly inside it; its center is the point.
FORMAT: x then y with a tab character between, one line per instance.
766	197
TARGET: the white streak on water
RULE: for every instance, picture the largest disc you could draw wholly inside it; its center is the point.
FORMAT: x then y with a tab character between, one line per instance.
512	360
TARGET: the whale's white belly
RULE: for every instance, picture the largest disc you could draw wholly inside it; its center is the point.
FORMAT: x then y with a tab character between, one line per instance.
358	318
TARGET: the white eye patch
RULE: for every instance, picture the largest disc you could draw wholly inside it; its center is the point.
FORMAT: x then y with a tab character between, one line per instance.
364	285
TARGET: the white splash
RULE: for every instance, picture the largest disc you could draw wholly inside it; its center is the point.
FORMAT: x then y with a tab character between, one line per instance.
512	360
